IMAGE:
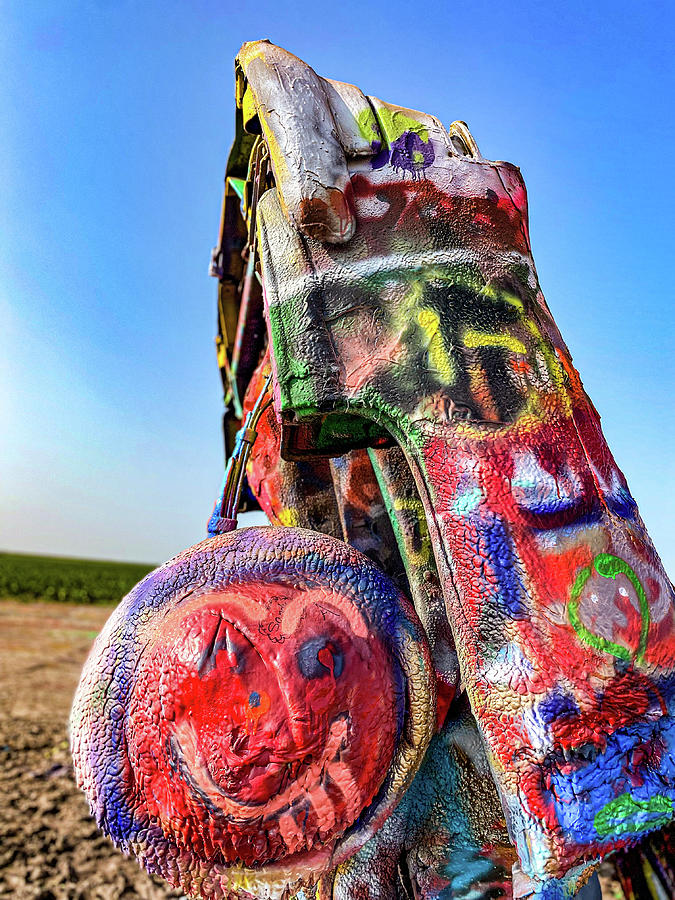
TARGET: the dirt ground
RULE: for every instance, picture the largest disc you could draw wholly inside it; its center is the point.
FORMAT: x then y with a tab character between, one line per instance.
50	848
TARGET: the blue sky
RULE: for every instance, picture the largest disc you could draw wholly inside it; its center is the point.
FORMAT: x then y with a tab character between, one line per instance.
116	120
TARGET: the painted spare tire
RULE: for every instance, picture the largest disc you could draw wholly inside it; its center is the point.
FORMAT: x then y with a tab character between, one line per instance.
252	711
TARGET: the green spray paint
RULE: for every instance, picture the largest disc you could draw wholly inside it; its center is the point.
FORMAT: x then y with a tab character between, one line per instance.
609	567
620	816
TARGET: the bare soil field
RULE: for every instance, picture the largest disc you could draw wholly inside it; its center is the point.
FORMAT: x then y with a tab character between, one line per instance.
50	848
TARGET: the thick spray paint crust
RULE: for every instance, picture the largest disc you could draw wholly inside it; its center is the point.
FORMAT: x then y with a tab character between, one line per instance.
430	322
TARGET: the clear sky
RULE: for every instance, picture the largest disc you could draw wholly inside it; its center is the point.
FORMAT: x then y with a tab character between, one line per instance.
116	118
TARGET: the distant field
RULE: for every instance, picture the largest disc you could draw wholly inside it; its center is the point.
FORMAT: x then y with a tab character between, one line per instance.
29	578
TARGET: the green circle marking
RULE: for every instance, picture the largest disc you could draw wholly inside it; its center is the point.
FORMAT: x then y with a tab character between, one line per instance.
609	566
